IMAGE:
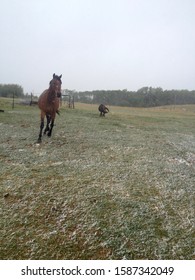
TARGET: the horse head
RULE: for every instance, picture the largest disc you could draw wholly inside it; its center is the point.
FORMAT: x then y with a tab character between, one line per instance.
55	84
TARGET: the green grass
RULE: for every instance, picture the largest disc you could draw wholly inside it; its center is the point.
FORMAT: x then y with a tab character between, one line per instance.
119	187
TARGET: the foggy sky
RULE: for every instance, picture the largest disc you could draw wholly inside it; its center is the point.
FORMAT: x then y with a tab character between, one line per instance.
98	44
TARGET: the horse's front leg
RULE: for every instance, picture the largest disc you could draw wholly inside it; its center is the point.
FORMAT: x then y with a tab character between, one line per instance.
48	122
51	125
41	128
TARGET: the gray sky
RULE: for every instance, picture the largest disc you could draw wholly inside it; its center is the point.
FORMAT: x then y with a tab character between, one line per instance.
98	44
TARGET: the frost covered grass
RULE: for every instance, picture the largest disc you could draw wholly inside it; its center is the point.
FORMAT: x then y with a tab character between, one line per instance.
119	187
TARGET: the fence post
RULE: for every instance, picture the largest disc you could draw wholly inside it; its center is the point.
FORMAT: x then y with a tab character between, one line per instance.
13	100
73	102
31	99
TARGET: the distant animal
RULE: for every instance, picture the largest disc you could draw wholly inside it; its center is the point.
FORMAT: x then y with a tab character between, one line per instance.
48	103
103	110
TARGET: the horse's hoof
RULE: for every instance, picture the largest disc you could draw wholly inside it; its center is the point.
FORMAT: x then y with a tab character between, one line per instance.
39	141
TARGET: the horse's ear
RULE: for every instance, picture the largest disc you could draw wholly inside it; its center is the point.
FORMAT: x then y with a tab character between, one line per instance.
60	76
54	75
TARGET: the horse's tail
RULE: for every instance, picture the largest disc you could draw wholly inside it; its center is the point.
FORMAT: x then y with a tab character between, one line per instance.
58	112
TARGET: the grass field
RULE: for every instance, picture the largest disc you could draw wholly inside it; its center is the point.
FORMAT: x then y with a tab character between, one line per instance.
119	187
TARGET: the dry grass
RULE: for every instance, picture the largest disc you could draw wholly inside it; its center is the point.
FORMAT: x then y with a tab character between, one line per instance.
119	187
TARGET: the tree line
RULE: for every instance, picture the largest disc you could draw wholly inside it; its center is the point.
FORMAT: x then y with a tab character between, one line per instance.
144	97
7	90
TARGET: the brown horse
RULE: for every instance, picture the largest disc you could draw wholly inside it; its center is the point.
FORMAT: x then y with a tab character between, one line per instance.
49	104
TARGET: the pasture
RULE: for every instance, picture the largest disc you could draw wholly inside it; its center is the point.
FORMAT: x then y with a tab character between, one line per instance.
119	187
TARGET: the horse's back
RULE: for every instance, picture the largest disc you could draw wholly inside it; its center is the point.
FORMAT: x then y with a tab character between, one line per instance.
42	99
